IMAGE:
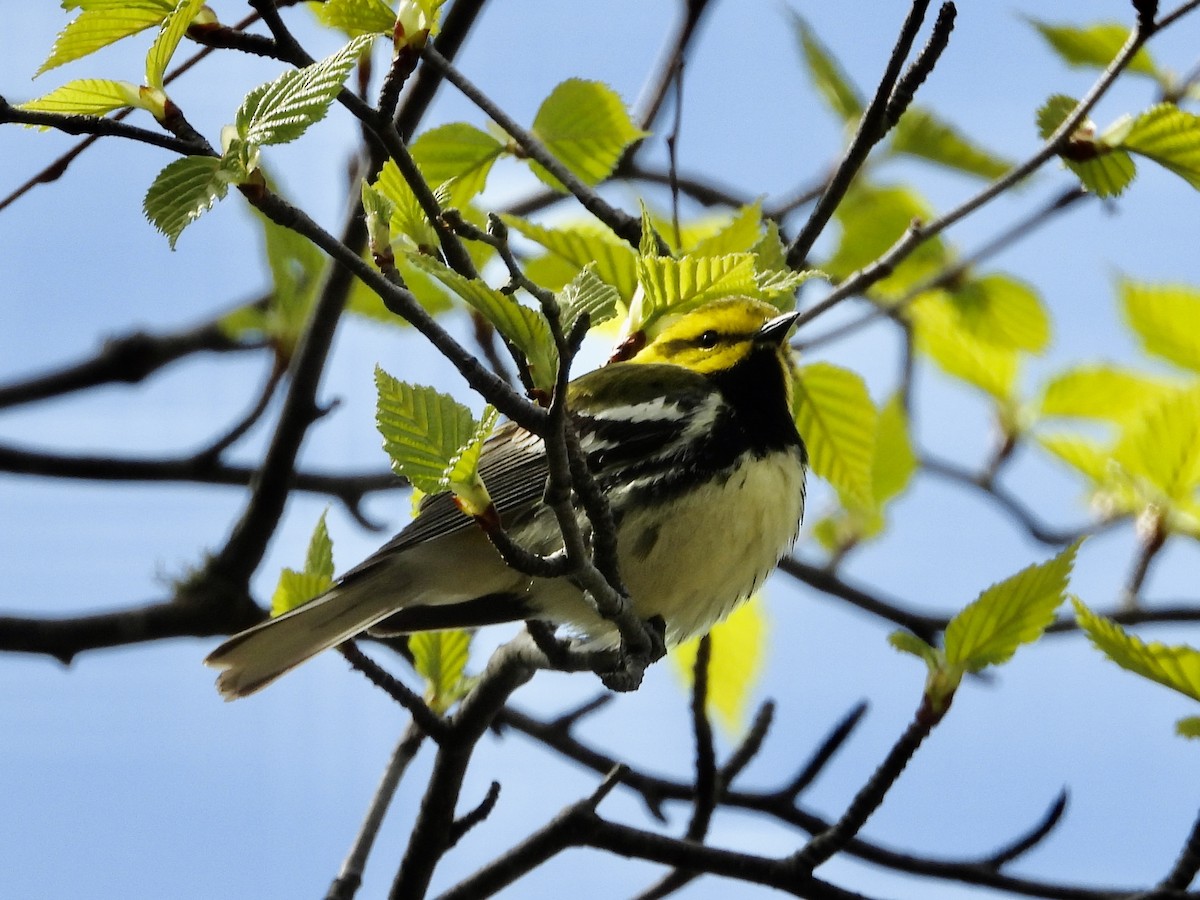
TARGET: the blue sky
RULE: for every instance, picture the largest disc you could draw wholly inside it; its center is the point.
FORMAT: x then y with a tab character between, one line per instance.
125	775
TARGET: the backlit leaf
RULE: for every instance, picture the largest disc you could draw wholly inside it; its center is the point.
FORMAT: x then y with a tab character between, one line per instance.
1170	137
1166	318
1103	168
457	151
356	17
1093	46
894	462
836	418
1162	445
676	285
283	109
169	36
1176	667
1082	453
103	22
587	293
1001	310
922	134
577	246
88	97
941	336
182	192
738	654
295	588
826	73
1014	612
525	328
440	657
738	234
585	125
1104	392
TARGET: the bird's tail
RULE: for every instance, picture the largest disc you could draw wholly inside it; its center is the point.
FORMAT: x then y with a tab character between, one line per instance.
254	658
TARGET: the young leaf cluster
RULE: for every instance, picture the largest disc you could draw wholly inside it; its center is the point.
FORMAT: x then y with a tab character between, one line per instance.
297	587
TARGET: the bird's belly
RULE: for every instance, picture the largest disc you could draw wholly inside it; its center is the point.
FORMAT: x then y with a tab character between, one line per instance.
694	558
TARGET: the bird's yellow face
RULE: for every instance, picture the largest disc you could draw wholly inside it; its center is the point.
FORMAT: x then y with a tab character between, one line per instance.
713	338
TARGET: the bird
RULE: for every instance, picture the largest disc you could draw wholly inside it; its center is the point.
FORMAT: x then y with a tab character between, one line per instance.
692	441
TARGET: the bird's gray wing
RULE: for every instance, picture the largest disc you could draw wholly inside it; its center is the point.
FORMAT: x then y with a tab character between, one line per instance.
513	468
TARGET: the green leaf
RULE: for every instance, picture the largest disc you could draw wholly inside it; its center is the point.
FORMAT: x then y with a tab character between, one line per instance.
363	301
894	461
907	642
1104	169
440	657
941	335
922	134
738	234
836	418
873	218
1188	727
1082	453
1166	318
1170	137
424	431
615	260
1162	445
462	471
1093	46
169	36
585	125
295	588
355	17
408	218
826	73
737	656
1001	310
676	285
523	327
1014	612
457	151
87	97
103	22
587	293
1104	392
283	109
1176	667
378	210
182	192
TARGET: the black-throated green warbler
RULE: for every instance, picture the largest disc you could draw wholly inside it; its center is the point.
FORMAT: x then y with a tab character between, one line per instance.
693	443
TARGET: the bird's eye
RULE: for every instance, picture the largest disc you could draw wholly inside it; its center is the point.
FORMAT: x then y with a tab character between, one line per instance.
708	339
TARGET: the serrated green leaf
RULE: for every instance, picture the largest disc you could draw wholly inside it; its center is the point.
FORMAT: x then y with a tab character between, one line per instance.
282	110
103	22
295	588
1188	727
1104	392
182	192
364	302
737	656
941	335
1082	453
739	233
1093	46
872	219
1166	319
1161	446
836	418
378	210
675	285
1053	113
408	218
585	125
827	74
423	431
523	327
87	97
907	642
462	471
1170	137
1001	310
894	462
577	246
648	233
922	134
355	17
1103	169
169	36
460	152
1176	667
1014	612
587	293
440	657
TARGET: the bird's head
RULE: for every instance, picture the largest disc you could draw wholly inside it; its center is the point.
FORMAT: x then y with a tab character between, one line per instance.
717	336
